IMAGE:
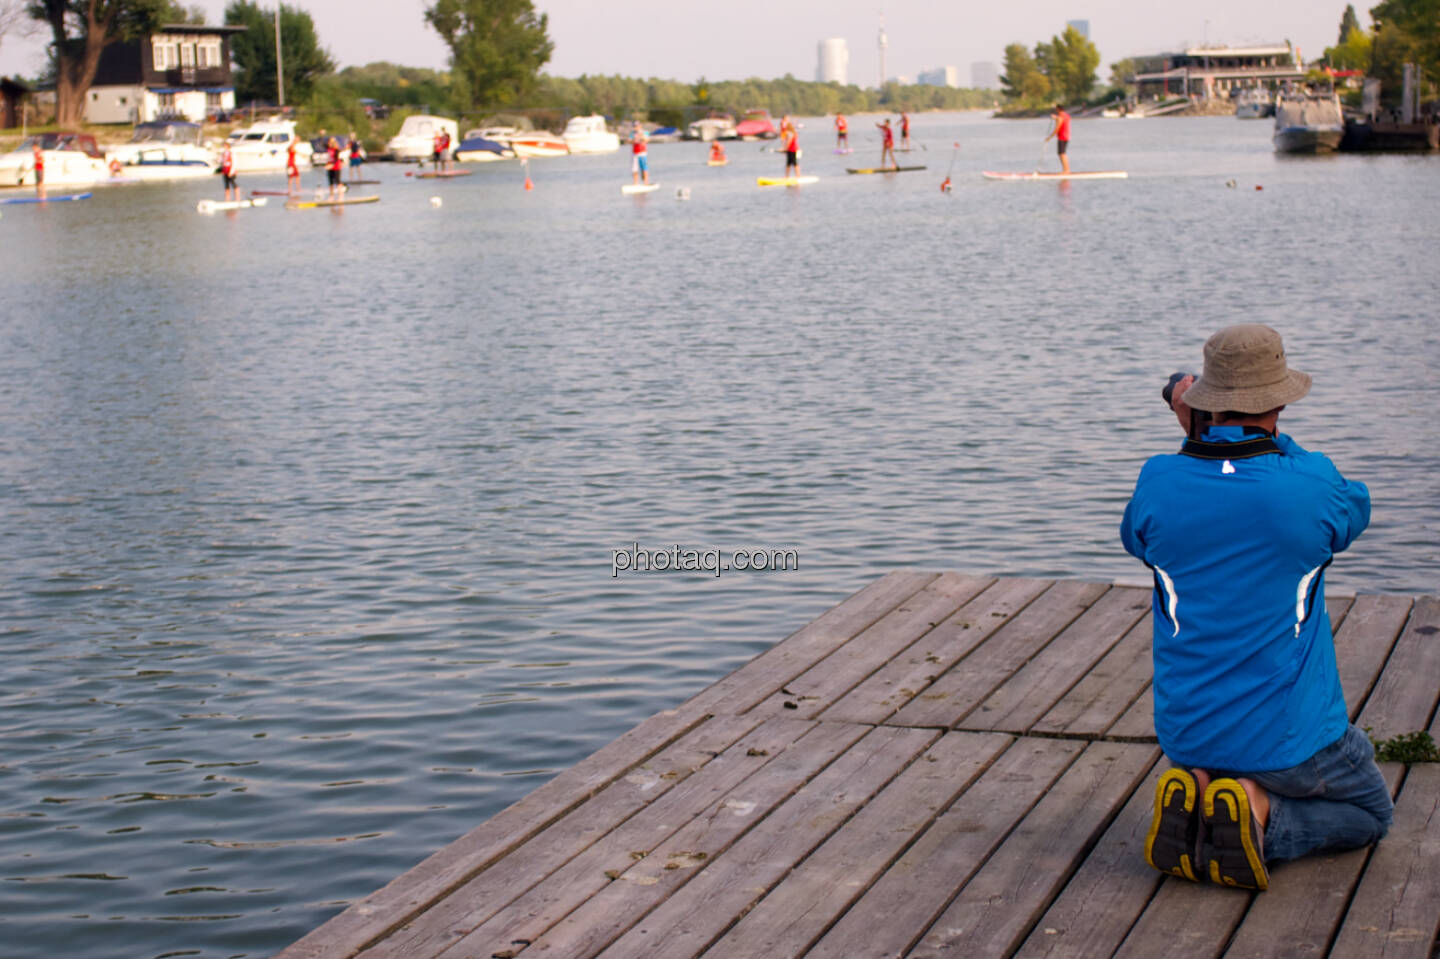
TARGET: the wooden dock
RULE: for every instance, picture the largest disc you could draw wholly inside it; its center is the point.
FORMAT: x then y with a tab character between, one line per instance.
941	765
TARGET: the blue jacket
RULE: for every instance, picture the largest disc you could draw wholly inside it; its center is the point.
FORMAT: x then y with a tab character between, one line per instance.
1245	676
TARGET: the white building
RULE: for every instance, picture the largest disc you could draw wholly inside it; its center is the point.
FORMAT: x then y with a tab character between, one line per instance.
833	61
985	75
939	77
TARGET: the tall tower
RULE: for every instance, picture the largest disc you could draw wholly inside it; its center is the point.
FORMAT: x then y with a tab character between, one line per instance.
834	62
883	43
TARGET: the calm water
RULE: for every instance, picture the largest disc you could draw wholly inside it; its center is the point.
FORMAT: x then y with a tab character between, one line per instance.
305	566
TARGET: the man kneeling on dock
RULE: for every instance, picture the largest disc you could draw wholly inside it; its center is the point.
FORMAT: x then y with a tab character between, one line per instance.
1238	528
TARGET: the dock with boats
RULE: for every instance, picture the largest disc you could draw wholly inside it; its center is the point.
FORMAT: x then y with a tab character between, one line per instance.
942	764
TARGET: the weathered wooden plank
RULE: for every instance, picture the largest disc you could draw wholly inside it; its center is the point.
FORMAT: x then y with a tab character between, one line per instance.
1396	909
1364	641
772	669
892	915
999	905
1023	698
1338	607
1298	916
490	891
810	693
796	912
413	891
1110	890
587	904
726	887
961	689
1404	698
900	680
1112	686
1185	920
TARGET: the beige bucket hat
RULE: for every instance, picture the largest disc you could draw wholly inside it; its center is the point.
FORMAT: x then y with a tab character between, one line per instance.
1245	371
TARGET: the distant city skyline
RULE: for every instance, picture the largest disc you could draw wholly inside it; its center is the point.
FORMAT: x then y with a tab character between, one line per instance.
750	38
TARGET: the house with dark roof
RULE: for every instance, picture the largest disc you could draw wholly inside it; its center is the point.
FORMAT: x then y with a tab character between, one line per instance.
181	71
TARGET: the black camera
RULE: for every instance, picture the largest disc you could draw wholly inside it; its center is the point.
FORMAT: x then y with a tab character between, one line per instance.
1199	419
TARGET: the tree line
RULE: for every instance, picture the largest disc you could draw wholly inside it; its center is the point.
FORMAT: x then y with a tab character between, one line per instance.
1401	32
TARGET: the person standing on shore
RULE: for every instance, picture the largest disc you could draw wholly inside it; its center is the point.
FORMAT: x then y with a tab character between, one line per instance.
1060	131
887	143
1238	528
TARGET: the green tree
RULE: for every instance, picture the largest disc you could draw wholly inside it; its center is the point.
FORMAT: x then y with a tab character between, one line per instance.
1353	54
497	47
1406	31
254	52
81	29
1023	79
1069	62
1348	22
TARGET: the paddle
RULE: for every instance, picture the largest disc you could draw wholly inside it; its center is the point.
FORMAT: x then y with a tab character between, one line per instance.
945	184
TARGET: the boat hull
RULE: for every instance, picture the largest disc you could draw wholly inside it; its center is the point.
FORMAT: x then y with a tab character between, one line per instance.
540	147
1308	140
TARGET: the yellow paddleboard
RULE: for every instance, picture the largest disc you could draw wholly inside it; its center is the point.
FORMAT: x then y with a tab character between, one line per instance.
785	180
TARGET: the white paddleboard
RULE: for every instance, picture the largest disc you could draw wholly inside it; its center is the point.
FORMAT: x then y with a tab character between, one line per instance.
215	206
630	188
1091	175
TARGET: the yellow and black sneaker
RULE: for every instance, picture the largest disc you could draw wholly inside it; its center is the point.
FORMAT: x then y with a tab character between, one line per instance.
1236	841
1170	844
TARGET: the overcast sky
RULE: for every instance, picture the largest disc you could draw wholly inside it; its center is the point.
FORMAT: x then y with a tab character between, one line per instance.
686	40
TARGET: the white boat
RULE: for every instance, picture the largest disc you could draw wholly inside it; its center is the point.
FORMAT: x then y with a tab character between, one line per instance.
1308	122
538	143
720	126
264	147
484	145
588	135
416	139
162	150
71	159
1254	103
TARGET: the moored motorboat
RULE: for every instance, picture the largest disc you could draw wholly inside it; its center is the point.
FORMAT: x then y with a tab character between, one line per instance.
264	147
416	138
717	126
162	150
756	125
1254	103
589	135
479	147
1308	122
537	143
70	159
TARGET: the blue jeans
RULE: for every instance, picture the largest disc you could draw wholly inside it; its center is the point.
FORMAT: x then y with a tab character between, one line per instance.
1335	800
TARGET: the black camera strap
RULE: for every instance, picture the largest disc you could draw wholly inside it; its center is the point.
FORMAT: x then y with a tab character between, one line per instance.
1242	450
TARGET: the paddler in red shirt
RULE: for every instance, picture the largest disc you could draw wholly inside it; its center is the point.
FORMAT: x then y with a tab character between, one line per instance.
842	132
791	138
227	170
292	168
904	130
38	161
887	144
1061	132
